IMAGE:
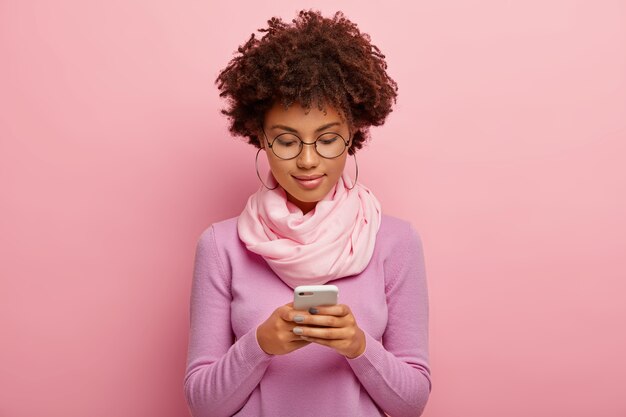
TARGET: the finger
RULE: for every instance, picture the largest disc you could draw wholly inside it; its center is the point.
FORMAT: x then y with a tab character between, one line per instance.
341	346
301	342
285	312
335	344
290	335
302	317
320	320
288	313
319	341
328	333
338	310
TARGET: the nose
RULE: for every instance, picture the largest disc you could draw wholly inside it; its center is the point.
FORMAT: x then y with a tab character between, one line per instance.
308	158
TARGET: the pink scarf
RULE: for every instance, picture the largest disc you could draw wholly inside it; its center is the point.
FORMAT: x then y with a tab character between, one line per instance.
334	240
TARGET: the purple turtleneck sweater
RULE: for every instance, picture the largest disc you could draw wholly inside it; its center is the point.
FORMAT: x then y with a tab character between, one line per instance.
234	290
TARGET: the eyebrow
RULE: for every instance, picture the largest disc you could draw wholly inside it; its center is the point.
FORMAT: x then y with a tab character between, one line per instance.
319	129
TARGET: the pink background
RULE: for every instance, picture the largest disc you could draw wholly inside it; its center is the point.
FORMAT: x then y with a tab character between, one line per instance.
506	151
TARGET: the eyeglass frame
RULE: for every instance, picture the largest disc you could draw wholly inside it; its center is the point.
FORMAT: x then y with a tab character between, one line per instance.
302	143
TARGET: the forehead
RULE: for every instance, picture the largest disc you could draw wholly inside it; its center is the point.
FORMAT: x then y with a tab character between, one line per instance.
300	118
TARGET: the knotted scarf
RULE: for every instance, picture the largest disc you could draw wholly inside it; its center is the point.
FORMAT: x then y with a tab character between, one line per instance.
334	240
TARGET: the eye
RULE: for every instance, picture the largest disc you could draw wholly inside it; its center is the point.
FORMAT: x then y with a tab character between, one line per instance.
327	138
287	140
328	141
286	143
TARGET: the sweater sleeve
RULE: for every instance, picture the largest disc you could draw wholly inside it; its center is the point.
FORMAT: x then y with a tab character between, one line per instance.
396	372
220	374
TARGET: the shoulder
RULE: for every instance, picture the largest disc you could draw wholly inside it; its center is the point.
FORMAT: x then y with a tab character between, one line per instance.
220	240
395	232
220	243
394	223
400	246
223	231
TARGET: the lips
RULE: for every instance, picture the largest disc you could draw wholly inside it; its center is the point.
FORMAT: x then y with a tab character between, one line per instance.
308	177
309	181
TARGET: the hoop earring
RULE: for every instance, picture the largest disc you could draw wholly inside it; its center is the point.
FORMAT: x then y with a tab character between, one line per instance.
256	165
357	173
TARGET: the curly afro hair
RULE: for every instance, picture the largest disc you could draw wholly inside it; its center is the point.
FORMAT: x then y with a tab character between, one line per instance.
314	60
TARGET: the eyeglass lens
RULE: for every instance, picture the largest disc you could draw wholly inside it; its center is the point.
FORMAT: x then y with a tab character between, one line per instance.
328	145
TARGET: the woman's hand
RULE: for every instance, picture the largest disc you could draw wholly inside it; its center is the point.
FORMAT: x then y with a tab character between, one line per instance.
332	326
275	335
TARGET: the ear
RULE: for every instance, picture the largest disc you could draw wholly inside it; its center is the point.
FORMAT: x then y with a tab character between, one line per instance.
352	131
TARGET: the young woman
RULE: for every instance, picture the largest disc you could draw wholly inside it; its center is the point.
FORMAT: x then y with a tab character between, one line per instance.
306	94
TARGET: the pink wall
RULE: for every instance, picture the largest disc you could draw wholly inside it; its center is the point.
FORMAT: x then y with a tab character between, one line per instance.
506	151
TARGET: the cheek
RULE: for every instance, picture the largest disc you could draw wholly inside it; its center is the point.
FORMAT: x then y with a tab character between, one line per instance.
338	165
279	168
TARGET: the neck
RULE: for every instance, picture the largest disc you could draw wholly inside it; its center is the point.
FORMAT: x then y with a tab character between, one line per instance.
305	206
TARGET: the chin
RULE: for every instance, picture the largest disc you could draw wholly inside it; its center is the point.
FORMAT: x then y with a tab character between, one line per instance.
310	197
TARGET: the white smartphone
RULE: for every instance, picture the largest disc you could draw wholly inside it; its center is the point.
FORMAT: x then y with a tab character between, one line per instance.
307	296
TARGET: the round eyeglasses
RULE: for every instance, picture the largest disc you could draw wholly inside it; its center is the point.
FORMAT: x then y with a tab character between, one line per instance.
288	145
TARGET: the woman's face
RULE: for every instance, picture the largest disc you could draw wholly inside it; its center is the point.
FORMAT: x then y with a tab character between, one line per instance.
308	177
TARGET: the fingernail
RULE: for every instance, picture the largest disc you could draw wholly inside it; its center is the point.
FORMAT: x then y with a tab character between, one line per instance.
298	319
313	310
297	330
